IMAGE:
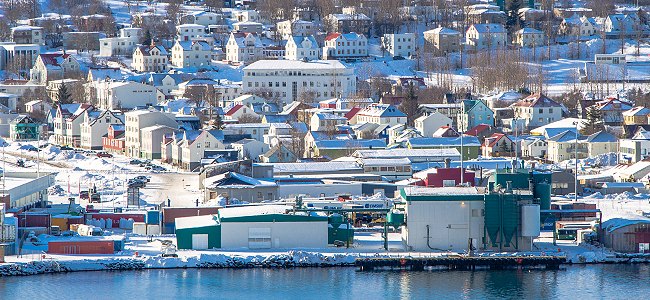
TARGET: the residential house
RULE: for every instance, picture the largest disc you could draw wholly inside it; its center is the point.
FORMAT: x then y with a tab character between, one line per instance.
302	48
248	26
53	86
124	44
381	114
113	95
529	37
24	128
428	124
533	146
150	59
254	131
187	54
345	46
52	66
94	127
443	40
291	28
205	18
399	44
636	115
243	48
113	141
135	121
189	32
26	34
486	36
37	106
497	145
278	154
567	145
195	145
474	112
576	26
334	149
617	25
250	148
357	22
67	121
238	111
326	122
482	131
611	110
246	15
151	140
449	110
537	110
287	80
165	83
601	142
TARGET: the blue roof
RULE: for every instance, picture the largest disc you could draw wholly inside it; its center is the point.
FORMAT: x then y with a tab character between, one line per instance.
276	118
444	141
602	137
350	144
567	136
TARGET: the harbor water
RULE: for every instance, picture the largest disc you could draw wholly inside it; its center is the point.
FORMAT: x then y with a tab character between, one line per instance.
570	282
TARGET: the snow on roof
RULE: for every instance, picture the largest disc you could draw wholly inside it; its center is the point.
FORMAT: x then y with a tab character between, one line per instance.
489	28
350	17
566	124
370	162
198	221
444	141
442	31
306	167
350	144
246	211
404	152
617	223
295	65
440	191
381	110
637	111
528	30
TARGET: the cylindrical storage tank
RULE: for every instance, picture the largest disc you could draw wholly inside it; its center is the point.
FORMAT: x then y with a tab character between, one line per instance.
543	192
530	220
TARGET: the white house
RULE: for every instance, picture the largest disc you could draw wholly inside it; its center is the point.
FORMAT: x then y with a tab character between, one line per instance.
287	80
124	44
486	36
347	45
125	94
529	37
67	119
195	145
150	59
578	26
302	48
399	44
289	28
250	148
537	110
52	66
325	122
381	114
189	32
95	125
238	110
428	124
191	54
135	121
243	48
205	18
25	34
246	15
252	27
255	130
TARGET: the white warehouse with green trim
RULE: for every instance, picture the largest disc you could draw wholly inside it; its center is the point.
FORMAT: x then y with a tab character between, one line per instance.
252	227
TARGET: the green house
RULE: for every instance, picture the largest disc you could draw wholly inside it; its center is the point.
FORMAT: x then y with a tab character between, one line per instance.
24	128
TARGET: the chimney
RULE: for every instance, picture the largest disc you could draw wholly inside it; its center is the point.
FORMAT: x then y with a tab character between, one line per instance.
448	163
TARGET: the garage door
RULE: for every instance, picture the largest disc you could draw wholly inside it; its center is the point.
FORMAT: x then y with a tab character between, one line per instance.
259	238
199	241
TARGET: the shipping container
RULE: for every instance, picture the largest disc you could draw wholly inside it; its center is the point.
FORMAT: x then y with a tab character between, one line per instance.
168	228
34	220
115	217
169	214
153	229
81	247
153	217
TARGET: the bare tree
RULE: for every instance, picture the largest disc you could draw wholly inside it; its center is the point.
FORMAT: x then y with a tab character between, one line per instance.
248	118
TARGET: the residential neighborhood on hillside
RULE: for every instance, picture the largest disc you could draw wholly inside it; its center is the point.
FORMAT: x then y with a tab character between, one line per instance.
376	134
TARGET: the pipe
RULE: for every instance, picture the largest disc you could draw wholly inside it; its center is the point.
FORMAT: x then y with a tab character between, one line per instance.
429	238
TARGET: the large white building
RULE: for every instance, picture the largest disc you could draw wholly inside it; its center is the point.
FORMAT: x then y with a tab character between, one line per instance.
302	48
288	28
189	32
402	44
287	80
243	47
125	94
135	121
347	45
124	44
191	54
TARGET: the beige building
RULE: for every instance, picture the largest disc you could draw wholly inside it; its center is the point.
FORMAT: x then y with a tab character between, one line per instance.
150	59
135	121
52	66
529	37
443	39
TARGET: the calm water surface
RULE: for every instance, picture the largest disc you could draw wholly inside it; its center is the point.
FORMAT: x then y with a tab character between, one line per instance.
571	282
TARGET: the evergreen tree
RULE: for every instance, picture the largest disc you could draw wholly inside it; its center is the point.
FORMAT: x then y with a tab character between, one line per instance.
63	95
513	21
217	121
146	39
594	122
410	105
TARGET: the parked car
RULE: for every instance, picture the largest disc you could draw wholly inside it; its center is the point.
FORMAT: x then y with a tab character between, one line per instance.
84	195
104	154
66	148
135	162
158	168
142	178
134	183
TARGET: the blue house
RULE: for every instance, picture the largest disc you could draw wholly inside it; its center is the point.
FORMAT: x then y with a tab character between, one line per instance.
474	112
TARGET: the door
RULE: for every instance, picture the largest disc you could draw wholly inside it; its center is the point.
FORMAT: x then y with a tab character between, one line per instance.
199	241
259	238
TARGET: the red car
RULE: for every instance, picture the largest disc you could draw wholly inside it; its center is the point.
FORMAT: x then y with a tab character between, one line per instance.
104	154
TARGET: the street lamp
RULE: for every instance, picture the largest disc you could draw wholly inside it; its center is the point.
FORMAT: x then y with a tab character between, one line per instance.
575	187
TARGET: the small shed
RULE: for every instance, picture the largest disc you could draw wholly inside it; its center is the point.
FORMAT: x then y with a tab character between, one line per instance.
624	235
200	232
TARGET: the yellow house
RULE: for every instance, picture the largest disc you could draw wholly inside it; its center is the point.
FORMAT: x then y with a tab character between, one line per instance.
636	115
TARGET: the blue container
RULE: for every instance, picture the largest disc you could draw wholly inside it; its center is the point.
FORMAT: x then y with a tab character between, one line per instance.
153	217
169	228
118	245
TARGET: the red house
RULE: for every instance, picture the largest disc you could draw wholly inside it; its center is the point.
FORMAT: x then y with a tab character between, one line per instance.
114	140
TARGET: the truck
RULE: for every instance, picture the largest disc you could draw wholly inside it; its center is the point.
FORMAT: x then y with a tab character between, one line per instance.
89	230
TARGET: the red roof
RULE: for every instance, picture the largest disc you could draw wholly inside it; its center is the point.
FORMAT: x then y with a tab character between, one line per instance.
53	58
478	129
353	112
332	36
495	139
234	109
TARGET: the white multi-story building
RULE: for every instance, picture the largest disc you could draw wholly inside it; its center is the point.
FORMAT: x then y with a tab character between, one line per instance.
21	56
150	59
347	45
191	54
537	110
486	36
289	28
52	66
125	94
246	15
253	27
402	44
95	125
189	32
124	44
26	34
529	37
381	114
287	80
243	47
302	48
135	121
